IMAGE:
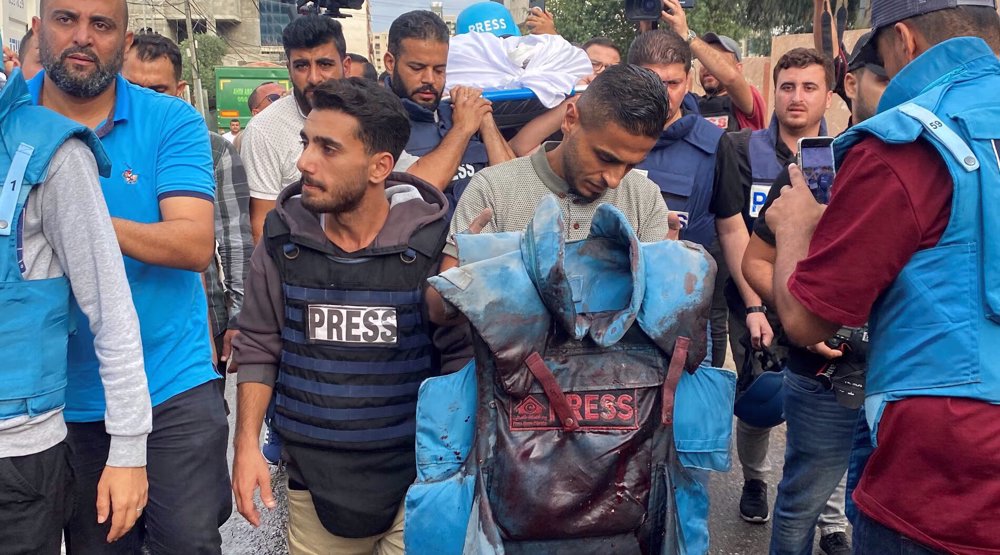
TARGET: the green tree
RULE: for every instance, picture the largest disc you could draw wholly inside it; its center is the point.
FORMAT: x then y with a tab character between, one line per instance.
211	49
580	20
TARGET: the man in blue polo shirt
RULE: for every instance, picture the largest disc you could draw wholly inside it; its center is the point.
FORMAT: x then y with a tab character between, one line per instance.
160	196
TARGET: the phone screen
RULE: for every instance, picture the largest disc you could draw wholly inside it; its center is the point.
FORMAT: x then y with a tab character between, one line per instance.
817	166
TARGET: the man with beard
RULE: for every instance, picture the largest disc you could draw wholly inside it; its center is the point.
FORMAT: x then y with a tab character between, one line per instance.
607	132
730	101
456	139
26	57
747	167
160	195
333	327
316	51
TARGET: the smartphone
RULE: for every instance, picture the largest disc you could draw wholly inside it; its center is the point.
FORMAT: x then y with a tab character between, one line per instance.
687	4
815	158
536	4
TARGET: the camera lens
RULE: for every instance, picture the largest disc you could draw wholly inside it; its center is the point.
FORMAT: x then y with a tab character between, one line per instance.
650	6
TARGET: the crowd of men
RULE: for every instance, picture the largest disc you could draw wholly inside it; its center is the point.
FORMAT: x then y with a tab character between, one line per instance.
146	256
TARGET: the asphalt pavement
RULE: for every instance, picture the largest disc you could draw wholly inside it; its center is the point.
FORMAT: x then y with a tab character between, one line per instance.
730	535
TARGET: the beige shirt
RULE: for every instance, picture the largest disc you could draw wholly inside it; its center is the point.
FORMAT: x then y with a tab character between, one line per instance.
271	147
514	189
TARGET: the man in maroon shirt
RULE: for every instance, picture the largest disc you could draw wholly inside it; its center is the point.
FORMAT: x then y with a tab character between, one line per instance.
933	481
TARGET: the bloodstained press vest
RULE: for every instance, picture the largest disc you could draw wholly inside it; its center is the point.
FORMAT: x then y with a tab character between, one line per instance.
682	164
764	166
356	345
427	128
582	424
35	325
936	330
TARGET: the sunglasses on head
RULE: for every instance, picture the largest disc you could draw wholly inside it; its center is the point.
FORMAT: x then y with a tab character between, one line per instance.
271	97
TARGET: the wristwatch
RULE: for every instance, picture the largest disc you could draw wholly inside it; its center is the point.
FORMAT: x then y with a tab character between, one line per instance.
690	36
755	309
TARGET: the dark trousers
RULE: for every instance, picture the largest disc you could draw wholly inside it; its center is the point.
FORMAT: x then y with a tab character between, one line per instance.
719	318
872	538
189	488
36	498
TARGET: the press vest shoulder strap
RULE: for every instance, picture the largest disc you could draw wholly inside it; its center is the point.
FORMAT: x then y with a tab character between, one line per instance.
945	135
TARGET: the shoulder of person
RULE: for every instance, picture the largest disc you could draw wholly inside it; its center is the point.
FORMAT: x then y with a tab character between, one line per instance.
637	183
175	111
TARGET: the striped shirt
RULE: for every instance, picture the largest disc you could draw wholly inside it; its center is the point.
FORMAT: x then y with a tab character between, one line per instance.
233	242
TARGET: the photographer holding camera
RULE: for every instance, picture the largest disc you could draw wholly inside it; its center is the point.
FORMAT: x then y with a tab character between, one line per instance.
730	101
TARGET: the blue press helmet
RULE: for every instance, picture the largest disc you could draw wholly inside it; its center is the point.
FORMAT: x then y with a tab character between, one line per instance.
487	17
762	404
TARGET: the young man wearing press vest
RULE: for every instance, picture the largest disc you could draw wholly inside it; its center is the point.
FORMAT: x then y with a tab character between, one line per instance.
334	326
747	167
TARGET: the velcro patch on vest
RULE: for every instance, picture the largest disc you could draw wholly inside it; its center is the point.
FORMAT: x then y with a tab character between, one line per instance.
356	325
593	410
722	122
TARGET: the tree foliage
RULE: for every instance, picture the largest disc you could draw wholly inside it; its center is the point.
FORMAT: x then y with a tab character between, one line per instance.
757	21
211	49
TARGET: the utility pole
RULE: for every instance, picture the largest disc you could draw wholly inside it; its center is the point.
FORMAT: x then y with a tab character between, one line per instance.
195	69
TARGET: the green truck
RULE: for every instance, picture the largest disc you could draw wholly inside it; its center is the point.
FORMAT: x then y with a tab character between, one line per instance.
233	86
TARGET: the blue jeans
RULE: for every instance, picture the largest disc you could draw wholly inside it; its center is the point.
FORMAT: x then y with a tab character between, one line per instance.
820	433
860	453
872	537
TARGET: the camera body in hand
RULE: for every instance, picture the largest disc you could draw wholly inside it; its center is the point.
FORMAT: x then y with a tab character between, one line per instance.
649	10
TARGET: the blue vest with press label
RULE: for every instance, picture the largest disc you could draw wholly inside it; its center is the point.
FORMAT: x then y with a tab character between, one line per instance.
682	164
764	166
936	330
427	128
35	322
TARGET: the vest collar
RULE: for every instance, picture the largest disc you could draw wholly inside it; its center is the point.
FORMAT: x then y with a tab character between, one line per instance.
693	129
13	94
418	113
946	61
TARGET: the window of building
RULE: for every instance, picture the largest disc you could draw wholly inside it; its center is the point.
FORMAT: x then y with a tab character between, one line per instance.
274	16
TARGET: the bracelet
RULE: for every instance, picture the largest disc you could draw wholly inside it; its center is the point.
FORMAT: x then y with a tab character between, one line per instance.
756	309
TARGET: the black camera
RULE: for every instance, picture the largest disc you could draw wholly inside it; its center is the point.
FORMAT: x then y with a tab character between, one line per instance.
853	342
649	10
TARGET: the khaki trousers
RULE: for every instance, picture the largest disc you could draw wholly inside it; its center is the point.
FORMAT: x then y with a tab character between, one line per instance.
307	536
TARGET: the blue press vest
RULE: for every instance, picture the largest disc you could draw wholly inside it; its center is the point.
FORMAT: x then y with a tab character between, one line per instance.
427	128
682	164
491	441
764	166
35	322
936	330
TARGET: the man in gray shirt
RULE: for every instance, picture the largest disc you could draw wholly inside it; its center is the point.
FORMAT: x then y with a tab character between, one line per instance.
56	237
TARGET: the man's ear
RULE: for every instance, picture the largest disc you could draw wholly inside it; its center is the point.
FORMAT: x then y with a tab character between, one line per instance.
851	86
390	62
347	66
572	118
909	41
380	168
181	87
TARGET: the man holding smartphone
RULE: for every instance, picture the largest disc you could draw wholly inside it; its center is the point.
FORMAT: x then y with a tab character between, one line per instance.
746	169
814	476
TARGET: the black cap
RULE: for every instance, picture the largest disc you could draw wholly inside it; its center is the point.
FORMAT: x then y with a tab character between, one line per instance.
865	56
887	12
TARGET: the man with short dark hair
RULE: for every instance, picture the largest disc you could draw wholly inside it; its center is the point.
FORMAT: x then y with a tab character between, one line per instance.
160	195
603	53
234	130
908	244
362	67
453	139
316	51
606	134
154	62
682	163
730	101
332	327
745	172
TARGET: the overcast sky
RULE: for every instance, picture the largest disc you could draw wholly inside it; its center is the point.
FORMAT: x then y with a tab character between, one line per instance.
384	11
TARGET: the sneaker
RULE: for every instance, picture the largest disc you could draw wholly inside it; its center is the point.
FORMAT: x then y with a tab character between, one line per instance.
835	544
753	502
272	446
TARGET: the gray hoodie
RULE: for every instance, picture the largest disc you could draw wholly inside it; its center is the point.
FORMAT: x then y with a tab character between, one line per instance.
413	205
